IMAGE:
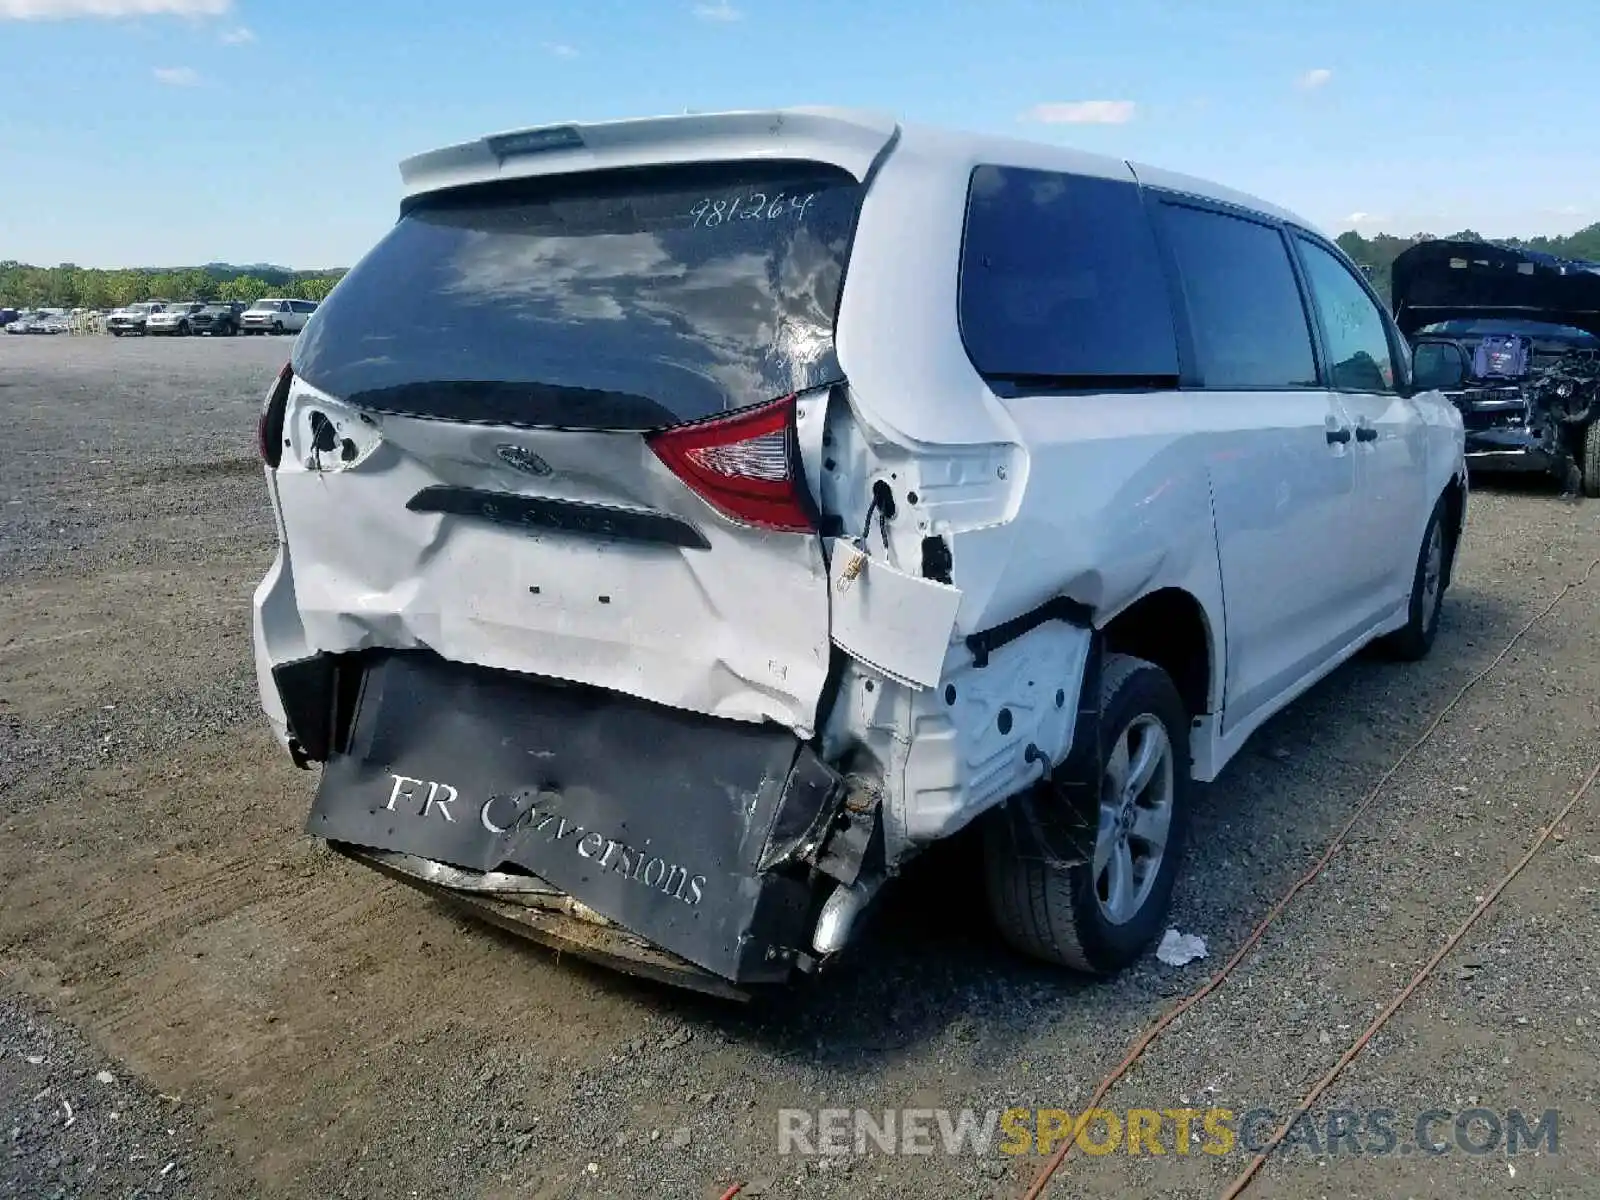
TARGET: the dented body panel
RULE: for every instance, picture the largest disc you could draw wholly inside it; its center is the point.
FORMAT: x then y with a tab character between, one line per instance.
735	628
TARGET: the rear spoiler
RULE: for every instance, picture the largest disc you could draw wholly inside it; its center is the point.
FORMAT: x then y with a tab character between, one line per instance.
845	138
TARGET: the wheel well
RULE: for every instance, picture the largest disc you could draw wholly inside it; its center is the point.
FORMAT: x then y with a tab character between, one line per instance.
1168	628
1455	515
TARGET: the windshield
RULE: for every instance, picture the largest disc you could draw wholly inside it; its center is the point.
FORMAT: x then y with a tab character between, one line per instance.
626	300
1484	326
264	305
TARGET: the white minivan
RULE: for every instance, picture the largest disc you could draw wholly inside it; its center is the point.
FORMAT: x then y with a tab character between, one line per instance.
685	522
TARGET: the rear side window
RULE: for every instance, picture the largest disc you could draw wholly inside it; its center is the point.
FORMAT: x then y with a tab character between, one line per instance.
1061	282
1249	323
1359	357
611	300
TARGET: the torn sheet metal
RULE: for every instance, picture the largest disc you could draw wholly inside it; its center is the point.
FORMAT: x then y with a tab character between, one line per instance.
895	622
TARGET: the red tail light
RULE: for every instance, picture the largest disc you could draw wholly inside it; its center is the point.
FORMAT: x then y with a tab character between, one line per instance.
745	465
269	429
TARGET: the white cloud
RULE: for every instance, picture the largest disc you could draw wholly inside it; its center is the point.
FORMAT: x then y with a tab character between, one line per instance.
177	76
66	10
561	49
1314	79
720	11
1364	218
1083	112
241	36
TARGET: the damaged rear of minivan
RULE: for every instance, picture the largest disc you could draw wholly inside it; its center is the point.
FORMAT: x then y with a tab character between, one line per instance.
577	507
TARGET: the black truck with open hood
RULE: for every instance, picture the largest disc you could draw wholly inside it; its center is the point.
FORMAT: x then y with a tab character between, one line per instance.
1513	337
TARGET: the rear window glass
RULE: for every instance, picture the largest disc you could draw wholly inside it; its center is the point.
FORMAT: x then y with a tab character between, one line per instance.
1060	282
621	300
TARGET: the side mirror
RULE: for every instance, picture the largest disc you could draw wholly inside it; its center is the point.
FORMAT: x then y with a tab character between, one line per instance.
1440	366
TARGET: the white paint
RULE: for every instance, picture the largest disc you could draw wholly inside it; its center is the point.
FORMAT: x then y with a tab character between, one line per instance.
1297	552
898	623
737	631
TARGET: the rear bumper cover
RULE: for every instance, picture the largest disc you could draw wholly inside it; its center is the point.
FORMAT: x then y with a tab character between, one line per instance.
691	835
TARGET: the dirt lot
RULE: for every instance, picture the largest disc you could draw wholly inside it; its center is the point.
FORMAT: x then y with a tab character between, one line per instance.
273	1021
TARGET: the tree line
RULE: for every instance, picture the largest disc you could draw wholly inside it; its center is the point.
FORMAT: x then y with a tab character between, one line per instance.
1379	251
71	286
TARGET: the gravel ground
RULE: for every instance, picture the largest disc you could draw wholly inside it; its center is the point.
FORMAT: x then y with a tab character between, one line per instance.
73	1126
317	1030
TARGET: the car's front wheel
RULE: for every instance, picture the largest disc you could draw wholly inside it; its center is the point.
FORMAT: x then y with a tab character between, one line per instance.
1414	639
1101	915
277	328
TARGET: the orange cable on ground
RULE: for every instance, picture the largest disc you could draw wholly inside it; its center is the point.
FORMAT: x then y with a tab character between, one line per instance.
1047	1172
1417	980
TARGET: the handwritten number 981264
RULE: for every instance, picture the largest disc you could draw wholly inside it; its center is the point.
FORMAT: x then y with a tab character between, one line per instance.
712	211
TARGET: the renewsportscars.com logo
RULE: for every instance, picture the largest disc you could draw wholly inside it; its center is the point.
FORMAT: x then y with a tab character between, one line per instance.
1375	1132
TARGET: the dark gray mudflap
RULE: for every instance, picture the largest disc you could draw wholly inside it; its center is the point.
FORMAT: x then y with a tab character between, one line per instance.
652	817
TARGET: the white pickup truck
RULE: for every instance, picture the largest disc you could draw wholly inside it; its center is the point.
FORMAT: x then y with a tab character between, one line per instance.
276	316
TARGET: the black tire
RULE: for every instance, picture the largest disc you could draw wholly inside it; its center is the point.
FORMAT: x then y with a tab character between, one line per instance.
1414	639
1589	463
277	328
116	333
1059	915
183	329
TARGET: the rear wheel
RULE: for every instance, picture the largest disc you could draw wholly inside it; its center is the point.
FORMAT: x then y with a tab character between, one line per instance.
1590	464
1414	639
1100	916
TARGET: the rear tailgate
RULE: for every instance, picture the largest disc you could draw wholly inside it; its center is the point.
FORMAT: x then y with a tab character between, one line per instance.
495	442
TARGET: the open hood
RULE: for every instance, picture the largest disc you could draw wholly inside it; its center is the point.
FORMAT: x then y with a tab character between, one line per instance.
1445	280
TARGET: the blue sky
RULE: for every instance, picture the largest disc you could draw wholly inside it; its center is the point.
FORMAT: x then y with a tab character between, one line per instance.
165	132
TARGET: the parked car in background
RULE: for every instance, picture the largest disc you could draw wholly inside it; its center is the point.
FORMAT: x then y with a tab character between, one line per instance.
133	318
7	315
174	319
43	321
220	318
1516	336
277	316
654	585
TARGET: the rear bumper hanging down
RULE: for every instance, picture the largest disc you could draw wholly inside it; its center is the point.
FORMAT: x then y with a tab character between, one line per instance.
668	844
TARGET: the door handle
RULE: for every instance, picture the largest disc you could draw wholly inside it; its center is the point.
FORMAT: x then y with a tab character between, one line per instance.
1366	433
1339	436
